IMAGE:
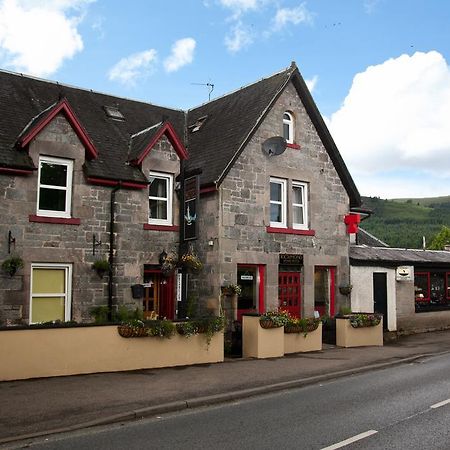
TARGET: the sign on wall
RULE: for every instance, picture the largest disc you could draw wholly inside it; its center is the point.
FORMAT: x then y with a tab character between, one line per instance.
287	259
191	193
403	273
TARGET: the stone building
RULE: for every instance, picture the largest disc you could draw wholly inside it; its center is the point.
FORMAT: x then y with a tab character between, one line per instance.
87	176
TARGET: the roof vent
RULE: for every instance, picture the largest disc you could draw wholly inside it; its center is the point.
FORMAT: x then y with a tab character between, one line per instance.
197	125
113	112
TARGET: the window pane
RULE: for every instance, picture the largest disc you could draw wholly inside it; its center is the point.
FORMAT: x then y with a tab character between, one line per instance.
49	281
286	131
52	199
275	192
421	286
53	174
158	188
158	209
298	215
275	213
46	309
298	195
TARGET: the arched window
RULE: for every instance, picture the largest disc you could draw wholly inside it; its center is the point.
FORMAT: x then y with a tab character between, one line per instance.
288	127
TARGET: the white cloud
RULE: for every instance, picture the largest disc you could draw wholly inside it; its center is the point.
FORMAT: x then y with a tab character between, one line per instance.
239	7
238	38
311	83
396	117
182	54
135	66
370	5
295	16
37	36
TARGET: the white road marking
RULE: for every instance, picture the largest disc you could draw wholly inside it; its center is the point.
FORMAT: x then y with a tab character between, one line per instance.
438	405
349	441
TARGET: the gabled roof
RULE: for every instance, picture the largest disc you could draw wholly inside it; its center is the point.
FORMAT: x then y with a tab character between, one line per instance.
362	255
24	101
39	122
233	119
142	142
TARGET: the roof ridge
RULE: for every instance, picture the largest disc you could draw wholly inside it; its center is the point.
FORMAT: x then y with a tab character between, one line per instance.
287	70
71	86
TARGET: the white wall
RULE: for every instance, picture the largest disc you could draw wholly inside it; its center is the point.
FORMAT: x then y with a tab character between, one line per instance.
362	292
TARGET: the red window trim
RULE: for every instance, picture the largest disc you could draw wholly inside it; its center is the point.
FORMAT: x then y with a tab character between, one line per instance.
428	297
294	146
124	184
206	190
57	220
15	171
290	231
148	226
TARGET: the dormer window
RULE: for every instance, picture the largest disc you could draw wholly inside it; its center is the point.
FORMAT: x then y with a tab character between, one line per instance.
288	127
113	112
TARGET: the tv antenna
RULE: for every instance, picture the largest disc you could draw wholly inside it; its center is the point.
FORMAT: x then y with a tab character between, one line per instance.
209	85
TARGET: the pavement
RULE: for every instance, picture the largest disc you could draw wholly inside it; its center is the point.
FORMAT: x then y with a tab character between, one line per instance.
39	407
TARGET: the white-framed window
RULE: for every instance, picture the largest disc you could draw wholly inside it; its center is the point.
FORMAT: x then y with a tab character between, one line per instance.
278	213
160	198
54	193
50	296
288	127
299	205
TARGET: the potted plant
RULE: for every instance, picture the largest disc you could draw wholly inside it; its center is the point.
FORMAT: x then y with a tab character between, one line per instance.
274	319
361	320
192	262
231	289
169	264
12	265
345	288
101	266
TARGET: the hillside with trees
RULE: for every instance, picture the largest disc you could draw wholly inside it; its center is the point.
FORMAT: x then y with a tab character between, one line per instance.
403	222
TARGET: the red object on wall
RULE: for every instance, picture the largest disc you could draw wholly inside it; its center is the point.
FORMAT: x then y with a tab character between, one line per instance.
352	221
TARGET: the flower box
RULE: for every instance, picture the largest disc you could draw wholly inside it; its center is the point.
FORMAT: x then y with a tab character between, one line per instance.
348	336
258	342
301	341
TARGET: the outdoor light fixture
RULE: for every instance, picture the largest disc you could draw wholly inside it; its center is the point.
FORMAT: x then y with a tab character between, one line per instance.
11	240
162	257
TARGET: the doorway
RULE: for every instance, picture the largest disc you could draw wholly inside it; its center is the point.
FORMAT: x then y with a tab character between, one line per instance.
324	287
251	279
158	295
380	296
290	292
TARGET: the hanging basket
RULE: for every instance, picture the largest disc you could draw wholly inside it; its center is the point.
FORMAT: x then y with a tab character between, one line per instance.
269	324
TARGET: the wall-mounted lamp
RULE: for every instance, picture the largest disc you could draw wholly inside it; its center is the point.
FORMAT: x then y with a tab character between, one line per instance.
95	243
11	240
211	242
162	257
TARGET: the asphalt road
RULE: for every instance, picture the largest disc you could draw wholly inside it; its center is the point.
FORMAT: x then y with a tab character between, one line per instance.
402	407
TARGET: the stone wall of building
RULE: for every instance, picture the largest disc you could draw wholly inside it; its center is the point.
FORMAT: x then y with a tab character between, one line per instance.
244	209
50	243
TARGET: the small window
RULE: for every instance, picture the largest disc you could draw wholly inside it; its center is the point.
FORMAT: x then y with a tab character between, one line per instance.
54	187
300	205
288	127
278	203
113	112
50	292
160	199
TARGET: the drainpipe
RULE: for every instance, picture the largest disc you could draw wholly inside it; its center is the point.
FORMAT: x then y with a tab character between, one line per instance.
182	305
112	211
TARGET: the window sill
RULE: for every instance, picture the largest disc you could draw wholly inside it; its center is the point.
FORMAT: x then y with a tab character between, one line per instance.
290	231
148	226
294	146
57	220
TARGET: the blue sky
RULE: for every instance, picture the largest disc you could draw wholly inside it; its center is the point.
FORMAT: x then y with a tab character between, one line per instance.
378	69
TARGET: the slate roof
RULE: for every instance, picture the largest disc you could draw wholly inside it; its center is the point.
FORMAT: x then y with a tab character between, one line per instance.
232	120
139	141
24	98
364	255
230	123
365	238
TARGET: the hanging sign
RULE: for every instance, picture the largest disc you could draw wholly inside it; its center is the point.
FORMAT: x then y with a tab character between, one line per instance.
190	216
247	277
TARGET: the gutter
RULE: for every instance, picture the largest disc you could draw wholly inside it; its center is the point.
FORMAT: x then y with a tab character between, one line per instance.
112	211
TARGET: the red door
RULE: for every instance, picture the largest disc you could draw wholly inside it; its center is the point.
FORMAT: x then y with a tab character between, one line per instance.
290	292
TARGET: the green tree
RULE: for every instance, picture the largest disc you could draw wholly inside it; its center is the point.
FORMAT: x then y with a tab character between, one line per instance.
441	239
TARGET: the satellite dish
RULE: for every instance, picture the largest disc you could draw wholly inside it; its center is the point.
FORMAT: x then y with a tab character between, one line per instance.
275	145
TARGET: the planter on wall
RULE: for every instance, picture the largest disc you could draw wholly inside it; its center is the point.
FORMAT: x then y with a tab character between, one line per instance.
295	342
258	342
348	336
